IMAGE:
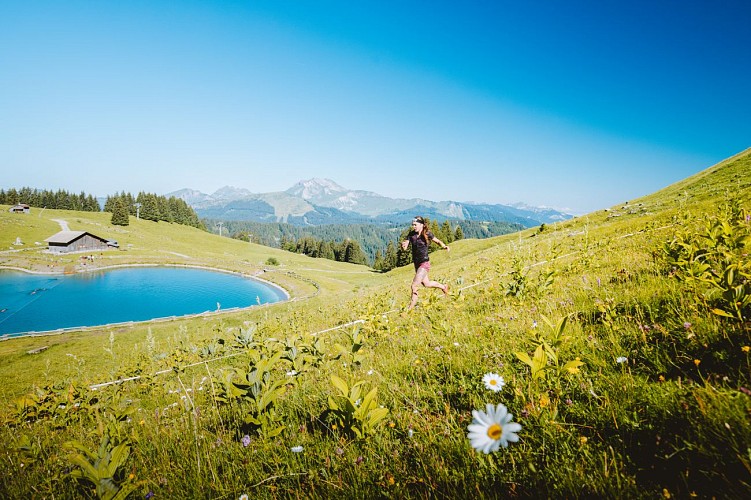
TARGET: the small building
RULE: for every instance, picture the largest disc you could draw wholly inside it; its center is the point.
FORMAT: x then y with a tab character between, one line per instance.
21	208
77	241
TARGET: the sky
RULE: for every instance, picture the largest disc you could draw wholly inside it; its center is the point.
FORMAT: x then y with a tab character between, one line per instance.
576	105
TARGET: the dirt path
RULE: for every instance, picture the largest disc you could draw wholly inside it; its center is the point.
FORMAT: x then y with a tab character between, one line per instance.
63	224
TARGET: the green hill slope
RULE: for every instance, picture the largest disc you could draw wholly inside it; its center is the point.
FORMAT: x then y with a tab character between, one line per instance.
622	338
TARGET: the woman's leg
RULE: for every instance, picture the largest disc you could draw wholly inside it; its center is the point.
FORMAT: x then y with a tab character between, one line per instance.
428	283
420	277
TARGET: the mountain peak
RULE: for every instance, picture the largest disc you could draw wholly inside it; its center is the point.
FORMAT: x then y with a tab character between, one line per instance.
316	188
230	193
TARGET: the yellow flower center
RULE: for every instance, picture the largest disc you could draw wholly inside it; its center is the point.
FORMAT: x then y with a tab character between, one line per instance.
495	431
493	381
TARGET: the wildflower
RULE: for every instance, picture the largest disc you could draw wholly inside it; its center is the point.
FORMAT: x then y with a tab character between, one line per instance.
456	344
148	495
492	429
544	401
245	441
370	372
243	497
340	451
292	373
131	476
493	381
697	362
296	449
583	440
359	460
621	359
410	433
745	348
661	378
392	425
534	324
687	325
569	402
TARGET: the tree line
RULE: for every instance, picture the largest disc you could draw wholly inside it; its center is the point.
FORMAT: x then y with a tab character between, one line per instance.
343	251
375	245
373	239
57	200
349	250
150	206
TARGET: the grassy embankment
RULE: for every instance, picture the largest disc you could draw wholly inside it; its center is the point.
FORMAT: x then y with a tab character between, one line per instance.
219	401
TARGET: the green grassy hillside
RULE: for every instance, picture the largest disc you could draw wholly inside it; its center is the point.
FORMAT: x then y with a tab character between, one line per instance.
622	338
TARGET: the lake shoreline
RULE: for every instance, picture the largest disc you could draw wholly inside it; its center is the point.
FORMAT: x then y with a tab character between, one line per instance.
59	331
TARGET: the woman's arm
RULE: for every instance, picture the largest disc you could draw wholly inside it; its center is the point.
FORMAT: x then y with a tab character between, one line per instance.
405	244
442	244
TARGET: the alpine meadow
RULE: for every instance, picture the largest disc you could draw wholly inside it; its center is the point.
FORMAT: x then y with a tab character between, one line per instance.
606	356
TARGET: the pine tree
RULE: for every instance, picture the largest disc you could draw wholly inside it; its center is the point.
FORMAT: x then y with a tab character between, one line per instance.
353	253
403	257
120	213
325	251
447	235
149	206
458	234
378	263
389	261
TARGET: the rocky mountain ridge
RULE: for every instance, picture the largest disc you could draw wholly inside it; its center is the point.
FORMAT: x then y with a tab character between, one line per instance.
322	201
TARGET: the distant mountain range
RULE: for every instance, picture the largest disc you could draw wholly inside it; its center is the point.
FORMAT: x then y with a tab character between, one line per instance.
322	201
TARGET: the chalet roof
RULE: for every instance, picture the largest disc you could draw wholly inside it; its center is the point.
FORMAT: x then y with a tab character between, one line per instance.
69	236
65	236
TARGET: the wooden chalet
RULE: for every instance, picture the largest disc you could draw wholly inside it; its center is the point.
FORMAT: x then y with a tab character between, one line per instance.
77	241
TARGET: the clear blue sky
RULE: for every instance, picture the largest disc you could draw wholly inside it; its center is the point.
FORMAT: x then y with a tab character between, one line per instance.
577	105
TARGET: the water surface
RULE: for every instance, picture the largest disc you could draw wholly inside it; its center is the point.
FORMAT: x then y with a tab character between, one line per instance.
34	303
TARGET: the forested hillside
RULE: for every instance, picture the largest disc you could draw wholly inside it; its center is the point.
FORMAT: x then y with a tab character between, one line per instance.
373	238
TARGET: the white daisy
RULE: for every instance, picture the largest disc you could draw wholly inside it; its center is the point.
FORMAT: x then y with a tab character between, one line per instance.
296	449
493	381
621	359
492	429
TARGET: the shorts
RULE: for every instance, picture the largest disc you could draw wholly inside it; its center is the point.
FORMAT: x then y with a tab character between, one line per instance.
425	265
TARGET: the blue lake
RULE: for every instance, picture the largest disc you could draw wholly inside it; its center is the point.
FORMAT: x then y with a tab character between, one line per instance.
35	303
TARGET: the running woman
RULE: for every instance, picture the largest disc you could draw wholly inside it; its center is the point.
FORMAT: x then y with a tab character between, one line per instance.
420	237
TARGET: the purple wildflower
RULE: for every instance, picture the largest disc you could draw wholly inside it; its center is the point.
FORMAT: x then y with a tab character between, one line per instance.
245	441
